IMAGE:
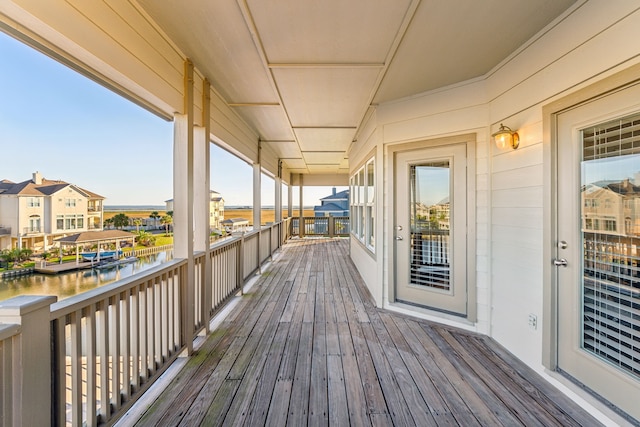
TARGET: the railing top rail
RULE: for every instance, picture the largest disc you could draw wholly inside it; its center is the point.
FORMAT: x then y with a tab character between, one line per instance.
251	233
225	241
80	301
8	330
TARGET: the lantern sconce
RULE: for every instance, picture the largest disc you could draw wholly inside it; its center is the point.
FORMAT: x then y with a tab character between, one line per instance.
505	137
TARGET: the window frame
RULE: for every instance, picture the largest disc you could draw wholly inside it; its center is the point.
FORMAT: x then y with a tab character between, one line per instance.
362	185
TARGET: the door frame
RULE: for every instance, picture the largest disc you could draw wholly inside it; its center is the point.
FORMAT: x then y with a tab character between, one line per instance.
550	112
390	159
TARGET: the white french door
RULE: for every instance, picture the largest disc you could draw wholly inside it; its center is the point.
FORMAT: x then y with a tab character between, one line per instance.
430	228
598	246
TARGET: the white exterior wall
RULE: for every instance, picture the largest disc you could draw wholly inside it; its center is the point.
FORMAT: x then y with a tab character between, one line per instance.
8	218
368	263
25	211
581	48
558	63
58	207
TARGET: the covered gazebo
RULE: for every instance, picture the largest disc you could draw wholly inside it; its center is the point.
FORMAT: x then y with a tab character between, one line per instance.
95	238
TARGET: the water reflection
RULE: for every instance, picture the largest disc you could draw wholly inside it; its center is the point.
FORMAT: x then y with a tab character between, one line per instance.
75	282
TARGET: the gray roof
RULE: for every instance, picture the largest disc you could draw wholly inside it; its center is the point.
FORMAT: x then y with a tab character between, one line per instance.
234	220
621	187
329	207
340	195
47	188
96	236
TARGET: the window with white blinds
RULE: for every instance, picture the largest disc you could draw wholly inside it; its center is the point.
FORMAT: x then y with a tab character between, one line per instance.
610	211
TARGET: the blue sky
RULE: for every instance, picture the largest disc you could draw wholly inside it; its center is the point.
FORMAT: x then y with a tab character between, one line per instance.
55	121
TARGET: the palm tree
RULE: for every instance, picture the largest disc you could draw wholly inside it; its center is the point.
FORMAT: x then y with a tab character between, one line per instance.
15	256
145	238
166	220
138	223
154	216
120	220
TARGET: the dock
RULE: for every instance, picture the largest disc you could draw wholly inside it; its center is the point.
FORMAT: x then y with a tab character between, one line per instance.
63	268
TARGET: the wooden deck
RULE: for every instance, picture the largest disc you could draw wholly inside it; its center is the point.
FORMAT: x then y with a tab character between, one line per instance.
307	347
51	268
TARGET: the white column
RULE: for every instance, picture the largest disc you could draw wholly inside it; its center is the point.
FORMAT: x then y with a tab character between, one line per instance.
278	200
301	215
204	154
201	192
289	200
257	202
183	215
182	187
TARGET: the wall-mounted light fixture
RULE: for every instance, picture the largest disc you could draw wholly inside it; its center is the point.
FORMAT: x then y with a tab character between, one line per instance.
505	137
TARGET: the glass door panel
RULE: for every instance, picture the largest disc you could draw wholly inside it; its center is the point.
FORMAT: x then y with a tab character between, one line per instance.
430	210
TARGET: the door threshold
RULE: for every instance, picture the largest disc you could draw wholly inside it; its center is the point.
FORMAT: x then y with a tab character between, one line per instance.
603	410
432	315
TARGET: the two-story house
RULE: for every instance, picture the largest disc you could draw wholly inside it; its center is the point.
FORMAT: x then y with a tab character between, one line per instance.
216	210
35	212
337	204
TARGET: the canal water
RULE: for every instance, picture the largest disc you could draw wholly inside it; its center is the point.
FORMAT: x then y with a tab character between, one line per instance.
67	284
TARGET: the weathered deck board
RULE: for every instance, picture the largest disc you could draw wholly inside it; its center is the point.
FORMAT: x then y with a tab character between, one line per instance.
307	346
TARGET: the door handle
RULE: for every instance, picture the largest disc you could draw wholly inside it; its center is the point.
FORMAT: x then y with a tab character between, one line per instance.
399	238
560	262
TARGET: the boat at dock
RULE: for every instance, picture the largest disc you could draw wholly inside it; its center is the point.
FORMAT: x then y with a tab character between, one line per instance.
101	255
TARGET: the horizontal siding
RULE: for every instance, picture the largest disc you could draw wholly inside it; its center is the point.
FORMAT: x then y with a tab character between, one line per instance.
530	176
585	46
528	197
464	120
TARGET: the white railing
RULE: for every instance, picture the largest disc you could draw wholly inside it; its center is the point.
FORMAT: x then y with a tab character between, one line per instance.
265	244
111	343
108	345
9	352
250	253
320	226
151	250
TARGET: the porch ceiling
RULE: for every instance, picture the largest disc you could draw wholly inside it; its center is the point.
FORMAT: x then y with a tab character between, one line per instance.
304	73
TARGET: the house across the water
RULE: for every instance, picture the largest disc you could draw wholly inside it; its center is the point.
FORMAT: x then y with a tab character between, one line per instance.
35	212
337	204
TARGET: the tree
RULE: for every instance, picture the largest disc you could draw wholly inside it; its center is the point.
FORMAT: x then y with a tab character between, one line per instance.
15	256
108	222
120	220
9	256
138	223
154	216
166	221
145	238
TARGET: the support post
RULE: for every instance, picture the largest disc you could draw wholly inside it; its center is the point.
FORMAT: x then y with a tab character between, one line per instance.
278	201
32	360
202	214
183	203
278	194
301	215
289	200
257	189
206	155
